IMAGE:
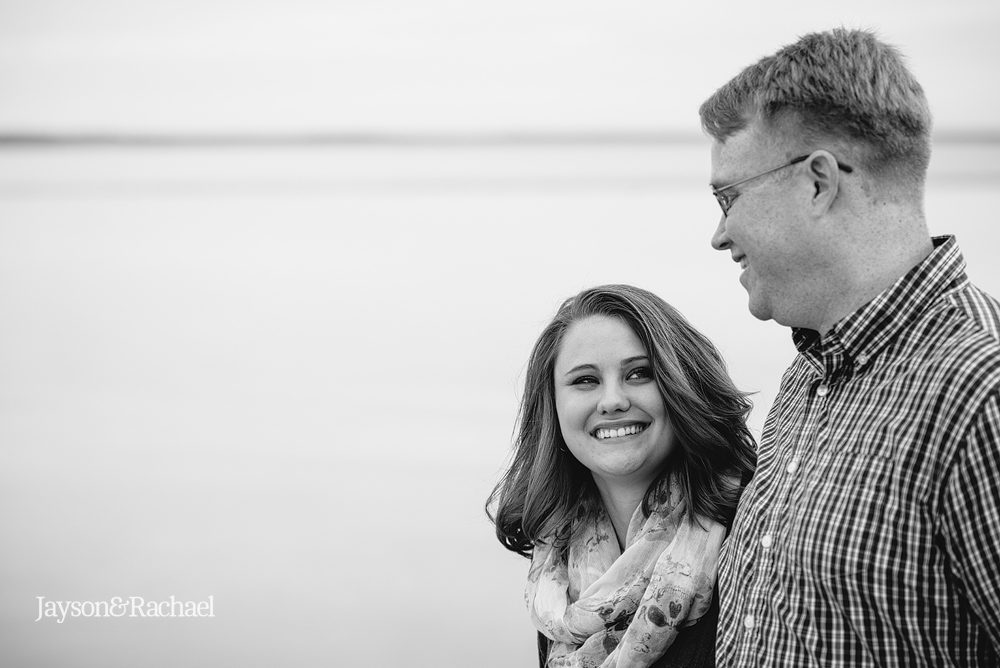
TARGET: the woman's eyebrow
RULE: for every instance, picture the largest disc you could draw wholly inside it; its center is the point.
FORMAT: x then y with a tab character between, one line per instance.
579	367
626	362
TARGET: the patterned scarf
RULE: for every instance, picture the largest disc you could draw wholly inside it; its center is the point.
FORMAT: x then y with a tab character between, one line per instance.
604	607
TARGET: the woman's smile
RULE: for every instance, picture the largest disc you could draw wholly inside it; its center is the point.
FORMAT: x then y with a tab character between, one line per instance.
604	433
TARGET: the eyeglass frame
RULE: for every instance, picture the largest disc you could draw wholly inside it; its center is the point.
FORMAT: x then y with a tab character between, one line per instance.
726	202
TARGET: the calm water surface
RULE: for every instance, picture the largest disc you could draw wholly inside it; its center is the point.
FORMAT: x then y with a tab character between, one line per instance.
287	378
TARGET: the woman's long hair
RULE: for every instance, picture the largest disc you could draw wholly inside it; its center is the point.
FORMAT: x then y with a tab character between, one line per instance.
544	487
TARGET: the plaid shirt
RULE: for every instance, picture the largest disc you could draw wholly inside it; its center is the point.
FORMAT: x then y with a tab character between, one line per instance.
870	534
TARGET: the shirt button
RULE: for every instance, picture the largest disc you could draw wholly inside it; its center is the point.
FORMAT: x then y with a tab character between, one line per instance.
792	466
862	360
766	541
748	621
822	390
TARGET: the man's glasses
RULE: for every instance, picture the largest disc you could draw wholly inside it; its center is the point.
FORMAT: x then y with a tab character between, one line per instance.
726	200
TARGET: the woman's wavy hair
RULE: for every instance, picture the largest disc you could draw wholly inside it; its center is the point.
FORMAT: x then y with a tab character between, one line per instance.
544	487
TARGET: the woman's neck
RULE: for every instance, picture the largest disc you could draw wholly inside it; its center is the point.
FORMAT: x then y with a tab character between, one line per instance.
620	503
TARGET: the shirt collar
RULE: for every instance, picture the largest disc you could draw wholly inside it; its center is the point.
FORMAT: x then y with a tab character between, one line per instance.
864	333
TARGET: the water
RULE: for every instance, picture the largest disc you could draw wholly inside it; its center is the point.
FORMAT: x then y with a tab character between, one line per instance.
287	378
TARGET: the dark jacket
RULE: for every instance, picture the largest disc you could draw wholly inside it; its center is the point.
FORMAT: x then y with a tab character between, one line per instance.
694	646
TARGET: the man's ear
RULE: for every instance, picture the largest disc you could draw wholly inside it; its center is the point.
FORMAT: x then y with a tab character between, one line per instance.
822	169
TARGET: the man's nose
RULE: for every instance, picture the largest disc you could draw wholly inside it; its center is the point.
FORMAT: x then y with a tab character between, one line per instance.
720	240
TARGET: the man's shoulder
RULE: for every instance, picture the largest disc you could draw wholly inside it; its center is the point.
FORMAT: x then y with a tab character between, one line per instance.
957	339
966	323
979	309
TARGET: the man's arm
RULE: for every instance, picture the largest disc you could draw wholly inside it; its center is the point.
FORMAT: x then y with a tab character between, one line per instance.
971	521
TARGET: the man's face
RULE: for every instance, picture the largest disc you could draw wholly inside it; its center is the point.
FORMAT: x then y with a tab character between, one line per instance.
764	230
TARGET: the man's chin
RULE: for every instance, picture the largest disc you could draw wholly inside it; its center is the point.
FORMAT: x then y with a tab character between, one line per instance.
758	308
761	314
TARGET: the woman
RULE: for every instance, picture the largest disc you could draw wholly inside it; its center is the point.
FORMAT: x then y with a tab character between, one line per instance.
631	451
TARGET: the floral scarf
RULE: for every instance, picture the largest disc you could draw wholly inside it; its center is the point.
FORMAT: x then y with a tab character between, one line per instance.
604	607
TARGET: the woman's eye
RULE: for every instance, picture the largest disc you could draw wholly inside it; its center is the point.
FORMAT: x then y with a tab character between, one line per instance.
640	373
585	380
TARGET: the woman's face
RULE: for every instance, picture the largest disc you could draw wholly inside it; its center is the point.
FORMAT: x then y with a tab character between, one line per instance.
610	411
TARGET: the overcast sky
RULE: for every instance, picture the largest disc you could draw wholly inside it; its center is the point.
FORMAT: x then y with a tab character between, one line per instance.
443	65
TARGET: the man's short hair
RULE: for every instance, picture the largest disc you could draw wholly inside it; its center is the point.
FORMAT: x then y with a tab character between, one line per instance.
844	87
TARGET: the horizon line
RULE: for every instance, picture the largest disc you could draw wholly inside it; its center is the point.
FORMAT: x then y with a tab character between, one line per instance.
402	138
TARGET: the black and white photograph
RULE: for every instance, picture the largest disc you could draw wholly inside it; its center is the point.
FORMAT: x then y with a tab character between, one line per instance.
449	334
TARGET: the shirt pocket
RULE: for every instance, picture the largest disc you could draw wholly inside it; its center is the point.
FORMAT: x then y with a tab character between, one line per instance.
844	513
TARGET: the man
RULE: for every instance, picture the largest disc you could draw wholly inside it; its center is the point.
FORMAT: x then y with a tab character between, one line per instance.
870	534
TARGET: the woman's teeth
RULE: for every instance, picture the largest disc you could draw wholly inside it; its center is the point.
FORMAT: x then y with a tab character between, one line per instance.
602	434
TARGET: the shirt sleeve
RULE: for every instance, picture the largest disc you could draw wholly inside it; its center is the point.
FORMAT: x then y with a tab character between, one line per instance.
971	521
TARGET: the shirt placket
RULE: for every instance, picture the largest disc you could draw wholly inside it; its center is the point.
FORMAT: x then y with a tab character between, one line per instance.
795	464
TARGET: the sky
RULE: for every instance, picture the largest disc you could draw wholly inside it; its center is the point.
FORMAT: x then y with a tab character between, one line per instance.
443	65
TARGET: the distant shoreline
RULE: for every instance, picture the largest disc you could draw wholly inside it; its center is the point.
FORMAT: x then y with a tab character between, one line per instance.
397	139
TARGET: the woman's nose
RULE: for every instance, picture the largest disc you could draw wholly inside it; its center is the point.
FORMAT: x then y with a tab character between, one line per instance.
614	399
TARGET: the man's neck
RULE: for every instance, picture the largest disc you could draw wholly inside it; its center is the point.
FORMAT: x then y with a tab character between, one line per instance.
874	273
